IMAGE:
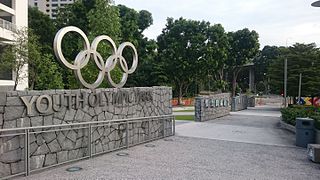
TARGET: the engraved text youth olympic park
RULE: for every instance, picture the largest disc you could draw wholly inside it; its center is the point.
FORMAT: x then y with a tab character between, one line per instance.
54	103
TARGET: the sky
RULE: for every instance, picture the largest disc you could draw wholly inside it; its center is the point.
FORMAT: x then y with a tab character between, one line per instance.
278	22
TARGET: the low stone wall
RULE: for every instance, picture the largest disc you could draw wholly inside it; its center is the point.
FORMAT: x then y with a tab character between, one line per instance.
239	103
288	127
211	107
251	101
260	101
70	111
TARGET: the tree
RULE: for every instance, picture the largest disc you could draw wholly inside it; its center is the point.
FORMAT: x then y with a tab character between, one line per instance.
44	72
302	58
216	54
145	20
43	27
263	61
27	52
133	24
244	46
180	50
47	74
94	17
15	56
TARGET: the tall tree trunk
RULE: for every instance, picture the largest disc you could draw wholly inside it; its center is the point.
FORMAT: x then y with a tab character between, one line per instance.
234	81
234	85
16	82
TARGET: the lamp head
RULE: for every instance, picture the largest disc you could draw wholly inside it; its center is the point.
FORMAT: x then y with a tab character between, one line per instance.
316	4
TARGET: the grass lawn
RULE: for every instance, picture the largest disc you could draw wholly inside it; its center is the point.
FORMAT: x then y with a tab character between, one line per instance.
190	110
185	117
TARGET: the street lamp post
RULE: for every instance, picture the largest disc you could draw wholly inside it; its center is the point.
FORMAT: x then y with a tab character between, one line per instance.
316	4
285	81
299	93
285	77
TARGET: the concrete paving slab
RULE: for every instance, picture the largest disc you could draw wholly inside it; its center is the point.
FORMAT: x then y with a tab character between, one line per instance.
266	110
194	158
244	145
266	136
259	125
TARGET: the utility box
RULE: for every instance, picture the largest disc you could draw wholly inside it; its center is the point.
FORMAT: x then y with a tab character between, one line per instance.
314	152
304	132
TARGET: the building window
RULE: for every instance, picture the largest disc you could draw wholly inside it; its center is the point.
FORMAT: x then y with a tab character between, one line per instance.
6	74
35	4
54	5
7	3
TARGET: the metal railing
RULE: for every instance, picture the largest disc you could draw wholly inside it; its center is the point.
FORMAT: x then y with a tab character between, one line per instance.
8	25
26	132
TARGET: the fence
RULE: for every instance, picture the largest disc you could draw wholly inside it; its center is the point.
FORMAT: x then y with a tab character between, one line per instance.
89	139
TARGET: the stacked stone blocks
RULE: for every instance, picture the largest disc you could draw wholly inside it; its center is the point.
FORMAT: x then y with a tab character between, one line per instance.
239	103
212	106
55	145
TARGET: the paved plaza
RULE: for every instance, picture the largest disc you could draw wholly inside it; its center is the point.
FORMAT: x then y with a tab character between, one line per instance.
244	145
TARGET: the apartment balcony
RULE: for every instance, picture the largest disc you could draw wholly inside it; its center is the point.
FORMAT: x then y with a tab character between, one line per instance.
7	31
7	27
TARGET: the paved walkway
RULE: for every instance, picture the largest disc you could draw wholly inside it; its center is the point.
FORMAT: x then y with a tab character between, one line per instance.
256	125
240	146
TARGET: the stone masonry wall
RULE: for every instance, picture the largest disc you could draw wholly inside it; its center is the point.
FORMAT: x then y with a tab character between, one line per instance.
239	103
211	107
49	146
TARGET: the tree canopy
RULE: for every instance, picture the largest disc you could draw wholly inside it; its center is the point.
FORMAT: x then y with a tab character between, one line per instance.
302	58
188	55
244	47
181	50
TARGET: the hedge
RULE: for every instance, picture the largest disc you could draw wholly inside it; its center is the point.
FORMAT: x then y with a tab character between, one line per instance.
290	114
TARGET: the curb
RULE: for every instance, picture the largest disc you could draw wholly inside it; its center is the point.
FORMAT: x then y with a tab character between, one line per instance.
293	130
287	126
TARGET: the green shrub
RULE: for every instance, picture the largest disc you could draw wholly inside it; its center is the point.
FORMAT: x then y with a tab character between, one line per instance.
290	114
316	121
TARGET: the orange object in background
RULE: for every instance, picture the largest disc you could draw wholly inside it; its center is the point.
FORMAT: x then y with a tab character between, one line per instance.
185	102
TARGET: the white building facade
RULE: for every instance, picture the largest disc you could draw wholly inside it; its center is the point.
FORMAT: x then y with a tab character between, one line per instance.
13	16
49	7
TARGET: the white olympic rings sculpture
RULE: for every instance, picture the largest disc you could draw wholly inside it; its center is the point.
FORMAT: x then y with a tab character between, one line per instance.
84	56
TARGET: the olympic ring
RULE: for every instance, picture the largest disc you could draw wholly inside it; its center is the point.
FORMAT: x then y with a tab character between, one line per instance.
83	57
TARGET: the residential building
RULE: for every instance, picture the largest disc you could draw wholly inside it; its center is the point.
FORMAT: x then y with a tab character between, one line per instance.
13	16
49	7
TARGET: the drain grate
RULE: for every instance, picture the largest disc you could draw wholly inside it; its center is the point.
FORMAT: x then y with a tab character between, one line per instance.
122	154
168	139
150	145
74	169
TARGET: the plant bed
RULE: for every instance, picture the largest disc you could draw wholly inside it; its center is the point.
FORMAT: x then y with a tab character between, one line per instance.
290	114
